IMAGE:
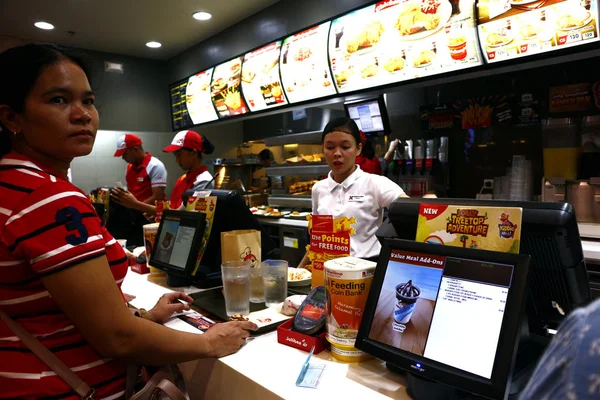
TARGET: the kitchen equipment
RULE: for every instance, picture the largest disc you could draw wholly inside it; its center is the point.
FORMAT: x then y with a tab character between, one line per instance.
582	196
562	146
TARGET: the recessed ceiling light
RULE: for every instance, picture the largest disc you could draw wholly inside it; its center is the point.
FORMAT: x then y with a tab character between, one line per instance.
153	45
44	25
202	16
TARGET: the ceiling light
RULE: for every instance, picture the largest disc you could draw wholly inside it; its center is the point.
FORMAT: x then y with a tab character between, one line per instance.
153	45
44	25
202	16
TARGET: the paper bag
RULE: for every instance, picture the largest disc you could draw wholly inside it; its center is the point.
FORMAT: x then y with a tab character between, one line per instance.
241	245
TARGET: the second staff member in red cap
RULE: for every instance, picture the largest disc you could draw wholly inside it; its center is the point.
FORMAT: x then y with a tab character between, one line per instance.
188	147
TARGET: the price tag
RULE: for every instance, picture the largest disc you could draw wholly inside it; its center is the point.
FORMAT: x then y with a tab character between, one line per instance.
588	35
574	37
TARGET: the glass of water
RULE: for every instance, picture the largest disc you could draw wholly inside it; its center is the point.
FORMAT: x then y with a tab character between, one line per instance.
236	287
274	274
257	293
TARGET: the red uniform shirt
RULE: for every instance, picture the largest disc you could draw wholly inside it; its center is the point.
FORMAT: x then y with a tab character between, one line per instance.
372	166
197	179
46	226
142	178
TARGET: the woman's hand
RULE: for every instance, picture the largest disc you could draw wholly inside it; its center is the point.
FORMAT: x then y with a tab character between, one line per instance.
393	145
228	337
124	198
169	304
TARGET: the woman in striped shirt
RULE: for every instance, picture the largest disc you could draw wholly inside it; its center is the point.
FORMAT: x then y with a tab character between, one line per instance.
60	270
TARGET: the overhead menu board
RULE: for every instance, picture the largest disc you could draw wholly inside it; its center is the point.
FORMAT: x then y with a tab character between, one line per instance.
225	89
515	28
198	99
304	67
395	40
180	118
260	78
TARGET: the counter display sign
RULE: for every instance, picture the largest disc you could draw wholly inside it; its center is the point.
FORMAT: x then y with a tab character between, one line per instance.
260	78
397	40
180	118
198	100
225	89
303	65
515	28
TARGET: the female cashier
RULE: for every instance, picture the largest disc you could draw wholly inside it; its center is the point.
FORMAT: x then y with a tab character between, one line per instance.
349	191
188	147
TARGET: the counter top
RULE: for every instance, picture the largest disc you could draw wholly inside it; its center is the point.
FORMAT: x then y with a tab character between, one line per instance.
265	369
301	223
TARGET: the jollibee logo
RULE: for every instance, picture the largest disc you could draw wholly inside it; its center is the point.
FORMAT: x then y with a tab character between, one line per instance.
248	256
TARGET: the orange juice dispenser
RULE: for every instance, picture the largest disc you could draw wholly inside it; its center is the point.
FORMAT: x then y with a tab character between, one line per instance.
562	148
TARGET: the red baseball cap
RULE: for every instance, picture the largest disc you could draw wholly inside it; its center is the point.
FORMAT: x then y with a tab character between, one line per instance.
189	139
125	142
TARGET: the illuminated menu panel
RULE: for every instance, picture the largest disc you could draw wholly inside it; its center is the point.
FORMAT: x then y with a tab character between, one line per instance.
260	78
303	65
394	40
179	113
225	89
510	29
198	99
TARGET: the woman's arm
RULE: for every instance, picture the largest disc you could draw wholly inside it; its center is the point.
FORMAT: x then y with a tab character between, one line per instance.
88	295
388	157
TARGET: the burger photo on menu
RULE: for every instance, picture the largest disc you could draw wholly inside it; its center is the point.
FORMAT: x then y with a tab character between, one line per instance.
523	27
405	306
261	84
304	67
397	40
225	89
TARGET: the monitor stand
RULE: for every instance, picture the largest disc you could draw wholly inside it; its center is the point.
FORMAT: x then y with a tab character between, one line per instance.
420	388
178	281
209	280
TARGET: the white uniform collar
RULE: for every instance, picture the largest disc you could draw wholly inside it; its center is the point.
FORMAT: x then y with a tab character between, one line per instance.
348	181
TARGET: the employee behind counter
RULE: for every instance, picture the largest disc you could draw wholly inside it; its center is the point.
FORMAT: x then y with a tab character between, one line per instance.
349	191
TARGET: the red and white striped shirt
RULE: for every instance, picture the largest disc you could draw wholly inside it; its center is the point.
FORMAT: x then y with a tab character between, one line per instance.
46	226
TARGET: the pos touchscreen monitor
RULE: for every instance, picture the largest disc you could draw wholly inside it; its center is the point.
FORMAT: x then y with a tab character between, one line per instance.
446	314
177	243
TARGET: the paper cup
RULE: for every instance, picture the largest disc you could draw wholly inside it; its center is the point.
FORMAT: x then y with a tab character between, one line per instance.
150	233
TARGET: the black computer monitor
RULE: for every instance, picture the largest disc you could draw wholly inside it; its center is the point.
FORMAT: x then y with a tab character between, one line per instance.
558	280
446	314
370	115
178	242
231	213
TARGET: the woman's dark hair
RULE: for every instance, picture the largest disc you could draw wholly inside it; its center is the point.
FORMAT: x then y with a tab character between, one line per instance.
367	150
266	154
207	146
342	124
19	69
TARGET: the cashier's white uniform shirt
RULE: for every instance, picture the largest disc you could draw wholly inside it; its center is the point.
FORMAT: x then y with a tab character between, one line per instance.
363	196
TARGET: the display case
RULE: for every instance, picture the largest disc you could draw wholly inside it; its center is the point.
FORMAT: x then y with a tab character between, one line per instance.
304	165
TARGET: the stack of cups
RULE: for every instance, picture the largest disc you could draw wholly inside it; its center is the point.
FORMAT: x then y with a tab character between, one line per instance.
528	181
497	193
518	178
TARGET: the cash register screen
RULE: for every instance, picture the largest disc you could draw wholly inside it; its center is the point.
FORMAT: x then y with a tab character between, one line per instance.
446	309
175	240
367	116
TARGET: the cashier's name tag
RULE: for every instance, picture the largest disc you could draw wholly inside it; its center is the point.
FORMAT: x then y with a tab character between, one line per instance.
356	198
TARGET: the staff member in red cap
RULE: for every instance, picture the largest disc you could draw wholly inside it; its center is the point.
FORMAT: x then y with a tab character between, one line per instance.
188	147
146	175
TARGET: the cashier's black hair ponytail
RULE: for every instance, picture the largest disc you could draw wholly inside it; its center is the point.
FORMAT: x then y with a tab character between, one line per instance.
19	70
342	124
